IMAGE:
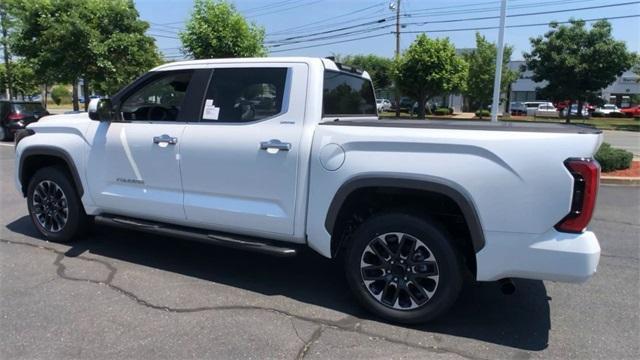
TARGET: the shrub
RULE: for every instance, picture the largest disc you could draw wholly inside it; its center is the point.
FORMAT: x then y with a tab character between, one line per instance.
60	94
597	114
611	159
443	111
484	113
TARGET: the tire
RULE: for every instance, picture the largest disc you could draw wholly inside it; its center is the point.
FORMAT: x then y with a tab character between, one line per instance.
422	296
49	193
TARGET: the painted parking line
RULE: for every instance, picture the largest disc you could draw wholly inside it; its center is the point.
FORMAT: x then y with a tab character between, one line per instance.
6	144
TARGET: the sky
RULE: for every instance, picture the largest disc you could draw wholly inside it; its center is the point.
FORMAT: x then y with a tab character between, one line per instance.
284	19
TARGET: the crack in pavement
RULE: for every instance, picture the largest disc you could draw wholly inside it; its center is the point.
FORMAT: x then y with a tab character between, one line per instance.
348	323
307	345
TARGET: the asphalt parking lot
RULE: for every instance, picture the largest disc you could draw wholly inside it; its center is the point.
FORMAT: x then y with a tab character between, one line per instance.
122	294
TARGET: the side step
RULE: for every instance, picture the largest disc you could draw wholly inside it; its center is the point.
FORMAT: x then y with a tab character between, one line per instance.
229	240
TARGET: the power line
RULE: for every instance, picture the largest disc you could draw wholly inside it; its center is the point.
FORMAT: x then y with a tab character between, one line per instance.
335	42
521	25
358	11
269	6
361	31
302	38
311	38
327	32
525	14
454	30
413	14
428	12
165	36
286	9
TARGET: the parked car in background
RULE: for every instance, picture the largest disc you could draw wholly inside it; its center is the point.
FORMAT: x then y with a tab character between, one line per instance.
383	105
532	106
562	105
547	110
606	109
406	104
574	111
517	108
15	115
386	104
633	111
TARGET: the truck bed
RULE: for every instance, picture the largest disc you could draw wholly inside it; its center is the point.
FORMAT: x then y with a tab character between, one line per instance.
519	126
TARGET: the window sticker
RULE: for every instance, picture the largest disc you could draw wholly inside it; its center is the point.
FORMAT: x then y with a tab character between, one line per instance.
211	112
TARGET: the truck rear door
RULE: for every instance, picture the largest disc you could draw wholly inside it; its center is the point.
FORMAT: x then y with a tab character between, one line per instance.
240	162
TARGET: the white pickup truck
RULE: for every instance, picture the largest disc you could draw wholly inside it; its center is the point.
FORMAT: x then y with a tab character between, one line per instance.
276	154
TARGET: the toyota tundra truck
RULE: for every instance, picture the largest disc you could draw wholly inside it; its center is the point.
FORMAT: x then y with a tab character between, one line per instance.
277	154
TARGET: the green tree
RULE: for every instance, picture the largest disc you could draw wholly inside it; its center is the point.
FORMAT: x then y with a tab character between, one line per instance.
122	49
23	80
103	42
379	68
430	67
577	62
59	94
482	68
217	30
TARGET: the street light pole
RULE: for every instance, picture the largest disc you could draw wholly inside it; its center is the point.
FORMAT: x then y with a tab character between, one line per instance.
395	88
498	76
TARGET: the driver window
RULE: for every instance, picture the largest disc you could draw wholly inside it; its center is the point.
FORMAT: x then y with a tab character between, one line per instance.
159	100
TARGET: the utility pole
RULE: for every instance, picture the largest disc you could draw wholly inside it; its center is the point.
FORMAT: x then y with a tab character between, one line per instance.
5	46
395	87
497	80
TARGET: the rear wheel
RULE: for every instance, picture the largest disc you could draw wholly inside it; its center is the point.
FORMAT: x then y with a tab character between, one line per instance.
54	205
403	268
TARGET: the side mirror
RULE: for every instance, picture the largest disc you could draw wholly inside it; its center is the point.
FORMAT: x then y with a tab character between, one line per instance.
101	110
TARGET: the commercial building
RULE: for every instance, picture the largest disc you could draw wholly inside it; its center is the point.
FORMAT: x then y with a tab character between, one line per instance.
619	92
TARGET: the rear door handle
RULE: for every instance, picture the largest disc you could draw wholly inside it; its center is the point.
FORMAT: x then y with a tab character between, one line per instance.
166	139
275	144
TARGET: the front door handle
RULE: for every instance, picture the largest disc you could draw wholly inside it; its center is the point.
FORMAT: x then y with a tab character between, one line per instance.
165	139
275	144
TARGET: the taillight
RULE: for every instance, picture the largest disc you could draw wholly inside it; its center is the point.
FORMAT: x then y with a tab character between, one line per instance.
13	116
586	180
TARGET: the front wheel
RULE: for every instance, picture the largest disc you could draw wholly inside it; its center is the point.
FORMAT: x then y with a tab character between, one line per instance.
54	205
403	268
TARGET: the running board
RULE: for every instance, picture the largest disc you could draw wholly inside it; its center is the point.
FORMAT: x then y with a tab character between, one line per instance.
224	239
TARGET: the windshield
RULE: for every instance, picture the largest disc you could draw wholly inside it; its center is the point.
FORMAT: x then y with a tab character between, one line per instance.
347	95
28	108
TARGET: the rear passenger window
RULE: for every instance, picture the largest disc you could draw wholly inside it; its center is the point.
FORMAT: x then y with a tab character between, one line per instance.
347	95
244	94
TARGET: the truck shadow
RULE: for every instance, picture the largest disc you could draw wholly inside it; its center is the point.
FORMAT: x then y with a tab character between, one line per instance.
482	312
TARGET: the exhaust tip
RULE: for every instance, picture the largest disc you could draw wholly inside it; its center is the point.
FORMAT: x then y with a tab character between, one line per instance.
507	286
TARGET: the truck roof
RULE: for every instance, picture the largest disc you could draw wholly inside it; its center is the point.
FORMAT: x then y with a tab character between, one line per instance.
206	63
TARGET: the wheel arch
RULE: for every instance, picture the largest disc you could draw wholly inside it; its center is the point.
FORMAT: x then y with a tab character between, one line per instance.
422	184
36	157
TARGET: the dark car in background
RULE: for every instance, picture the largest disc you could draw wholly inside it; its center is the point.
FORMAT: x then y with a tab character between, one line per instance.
15	115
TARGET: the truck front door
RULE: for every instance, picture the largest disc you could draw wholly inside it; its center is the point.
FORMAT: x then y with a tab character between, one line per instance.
133	167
